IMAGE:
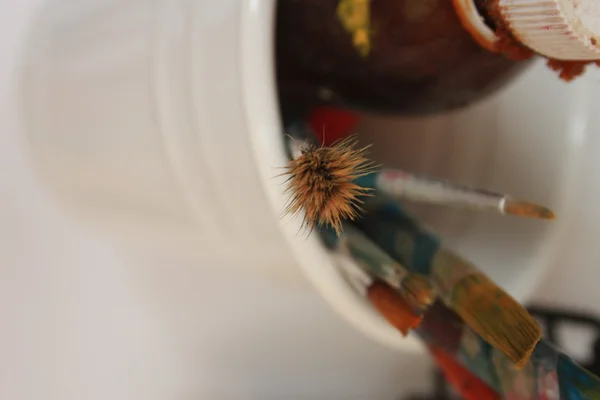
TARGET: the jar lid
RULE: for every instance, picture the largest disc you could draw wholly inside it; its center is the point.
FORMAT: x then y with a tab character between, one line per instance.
559	29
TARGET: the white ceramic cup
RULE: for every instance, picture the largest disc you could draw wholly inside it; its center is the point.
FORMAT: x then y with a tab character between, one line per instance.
156	122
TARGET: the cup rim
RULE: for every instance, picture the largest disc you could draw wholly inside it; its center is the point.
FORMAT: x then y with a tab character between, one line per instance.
259	97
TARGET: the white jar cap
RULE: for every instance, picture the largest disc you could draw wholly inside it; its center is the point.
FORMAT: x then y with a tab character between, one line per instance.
559	29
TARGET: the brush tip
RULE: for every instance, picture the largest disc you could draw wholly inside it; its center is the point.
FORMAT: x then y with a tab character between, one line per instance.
526	209
321	183
498	318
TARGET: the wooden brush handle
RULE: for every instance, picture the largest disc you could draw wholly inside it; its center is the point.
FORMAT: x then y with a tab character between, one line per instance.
393	307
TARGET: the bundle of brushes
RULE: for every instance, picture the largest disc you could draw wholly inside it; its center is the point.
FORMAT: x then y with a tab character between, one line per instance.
415	282
460	351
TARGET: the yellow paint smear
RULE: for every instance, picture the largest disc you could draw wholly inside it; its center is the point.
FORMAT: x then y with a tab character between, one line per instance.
355	17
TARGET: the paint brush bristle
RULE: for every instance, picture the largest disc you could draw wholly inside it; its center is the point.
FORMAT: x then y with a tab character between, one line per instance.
486	308
526	209
497	317
321	182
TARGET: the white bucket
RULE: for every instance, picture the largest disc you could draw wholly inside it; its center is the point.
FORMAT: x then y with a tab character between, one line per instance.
156	121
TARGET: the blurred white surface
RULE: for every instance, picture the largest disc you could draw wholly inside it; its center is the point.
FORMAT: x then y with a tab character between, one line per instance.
81	320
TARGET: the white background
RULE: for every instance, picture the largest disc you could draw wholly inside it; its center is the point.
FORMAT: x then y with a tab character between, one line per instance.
81	320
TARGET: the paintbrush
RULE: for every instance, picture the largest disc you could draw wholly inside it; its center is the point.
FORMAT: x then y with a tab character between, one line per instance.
329	183
486	308
321	181
386	299
549	374
414	288
390	305
400	185
469	362
401	315
393	307
444	333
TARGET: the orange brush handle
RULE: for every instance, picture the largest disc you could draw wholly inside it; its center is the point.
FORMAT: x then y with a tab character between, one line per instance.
393	307
466	384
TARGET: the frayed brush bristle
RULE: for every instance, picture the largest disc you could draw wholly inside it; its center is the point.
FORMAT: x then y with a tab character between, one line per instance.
498	318
321	183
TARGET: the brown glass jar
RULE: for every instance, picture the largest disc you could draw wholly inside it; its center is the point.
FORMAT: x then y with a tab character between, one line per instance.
389	56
